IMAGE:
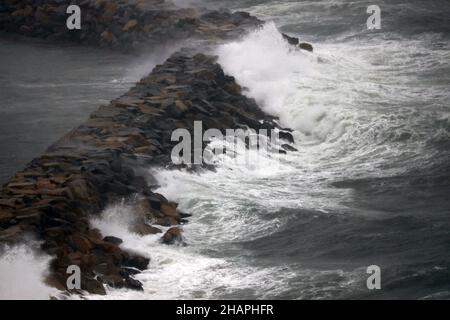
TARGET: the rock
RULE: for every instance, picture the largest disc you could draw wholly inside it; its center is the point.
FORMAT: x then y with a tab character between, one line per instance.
155	201
291	40
25	29
185	215
172	236
79	189
25	12
137	262
113	240
286	136
113	280
5	218
109	9
306	46
174	112
166	221
289	148
41	17
81	243
170	209
92	285
130	25
12	234
109	38
134	284
143	229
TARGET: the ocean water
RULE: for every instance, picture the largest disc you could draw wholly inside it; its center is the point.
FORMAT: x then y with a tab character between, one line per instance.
369	185
47	90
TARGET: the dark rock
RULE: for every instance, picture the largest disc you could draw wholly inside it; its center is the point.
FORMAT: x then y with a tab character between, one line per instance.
143	229
291	40
286	136
172	236
137	262
289	148
306	46
113	240
5	218
134	284
93	286
185	215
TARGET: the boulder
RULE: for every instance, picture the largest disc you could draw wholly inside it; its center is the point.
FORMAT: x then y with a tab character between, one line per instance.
291	40
172	236
138	262
81	243
92	285
286	136
143	229
288	147
134	284
130	25
170	209
306	46
12	234
113	240
5	218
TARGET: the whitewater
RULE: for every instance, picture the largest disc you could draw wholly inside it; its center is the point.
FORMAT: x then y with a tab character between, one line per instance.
368	185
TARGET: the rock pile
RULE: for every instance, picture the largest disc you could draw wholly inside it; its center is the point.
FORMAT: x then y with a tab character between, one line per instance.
123	24
102	161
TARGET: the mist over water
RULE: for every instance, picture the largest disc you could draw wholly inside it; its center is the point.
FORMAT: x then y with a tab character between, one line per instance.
22	274
368	186
48	90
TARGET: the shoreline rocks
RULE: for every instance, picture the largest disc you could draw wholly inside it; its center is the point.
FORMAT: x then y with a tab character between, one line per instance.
126	25
102	161
105	160
296	43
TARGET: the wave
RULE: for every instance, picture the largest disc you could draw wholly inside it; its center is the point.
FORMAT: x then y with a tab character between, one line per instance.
22	274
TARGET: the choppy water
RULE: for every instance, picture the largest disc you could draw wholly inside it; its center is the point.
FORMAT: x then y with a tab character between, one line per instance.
369	185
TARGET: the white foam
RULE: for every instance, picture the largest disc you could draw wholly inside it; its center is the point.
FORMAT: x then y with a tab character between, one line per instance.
184	272
22	274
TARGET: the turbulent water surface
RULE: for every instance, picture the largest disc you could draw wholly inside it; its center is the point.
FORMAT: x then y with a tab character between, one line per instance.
369	185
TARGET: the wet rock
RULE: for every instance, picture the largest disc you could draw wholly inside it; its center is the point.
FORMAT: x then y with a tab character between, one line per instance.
113	240
134	284
286	136
93	286
306	46
138	262
11	234
143	229
291	40
130	25
5	218
288	147
166	221
113	280
172	236
81	243
170	209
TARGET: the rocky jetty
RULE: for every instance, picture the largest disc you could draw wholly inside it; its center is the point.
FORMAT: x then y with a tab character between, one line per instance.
103	161
127	25
106	159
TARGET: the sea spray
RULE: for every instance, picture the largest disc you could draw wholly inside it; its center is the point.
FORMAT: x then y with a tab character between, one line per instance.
22	274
